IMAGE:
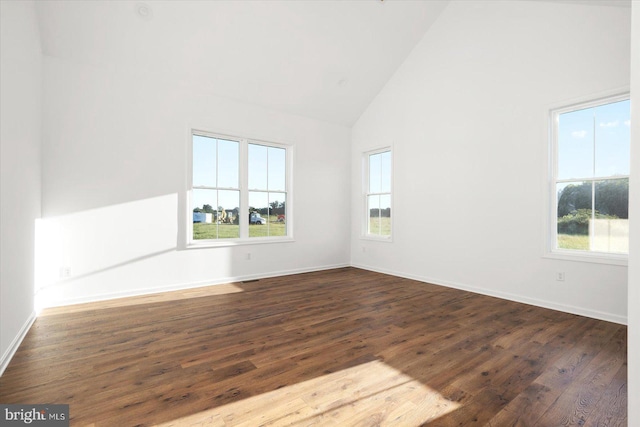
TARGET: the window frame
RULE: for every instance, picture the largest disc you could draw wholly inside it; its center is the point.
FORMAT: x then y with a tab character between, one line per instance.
243	170
365	195
551	207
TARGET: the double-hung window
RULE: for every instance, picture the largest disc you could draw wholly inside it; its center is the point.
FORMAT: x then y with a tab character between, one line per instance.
239	190
590	178
377	166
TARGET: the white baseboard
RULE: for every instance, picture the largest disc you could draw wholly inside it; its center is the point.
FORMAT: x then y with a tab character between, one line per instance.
191	285
609	317
13	347
483	291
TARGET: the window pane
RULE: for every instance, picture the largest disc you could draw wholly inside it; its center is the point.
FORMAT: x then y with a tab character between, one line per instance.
575	144
258	214
204	161
228	164
375	170
258	200
612	139
385	172
204	214
277	169
277	214
227	214
385	215
574	214
373	207
257	167
609	230
612	197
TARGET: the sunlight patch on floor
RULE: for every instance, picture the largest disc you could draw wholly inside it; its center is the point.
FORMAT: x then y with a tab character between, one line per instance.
221	289
369	394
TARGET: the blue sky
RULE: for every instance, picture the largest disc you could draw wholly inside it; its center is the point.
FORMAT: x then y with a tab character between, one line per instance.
216	164
594	142
379	180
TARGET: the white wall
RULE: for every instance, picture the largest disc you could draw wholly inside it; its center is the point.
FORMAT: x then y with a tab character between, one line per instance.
114	151
20	124
633	352
466	115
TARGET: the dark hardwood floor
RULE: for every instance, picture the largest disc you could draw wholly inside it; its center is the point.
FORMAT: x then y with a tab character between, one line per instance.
339	348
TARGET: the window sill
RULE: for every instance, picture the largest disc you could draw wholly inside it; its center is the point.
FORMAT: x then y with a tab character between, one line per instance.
591	257
237	242
377	239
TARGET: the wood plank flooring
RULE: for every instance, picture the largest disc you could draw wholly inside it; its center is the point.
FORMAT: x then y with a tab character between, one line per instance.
344	347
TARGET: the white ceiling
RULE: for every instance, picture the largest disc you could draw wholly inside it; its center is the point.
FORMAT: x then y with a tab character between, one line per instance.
612	3
321	59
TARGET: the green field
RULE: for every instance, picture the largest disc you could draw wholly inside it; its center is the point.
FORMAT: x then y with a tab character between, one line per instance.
380	226
274	229
215	231
203	231
573	241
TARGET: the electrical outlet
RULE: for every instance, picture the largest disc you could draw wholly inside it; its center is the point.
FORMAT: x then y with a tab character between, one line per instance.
65	272
560	276
248	256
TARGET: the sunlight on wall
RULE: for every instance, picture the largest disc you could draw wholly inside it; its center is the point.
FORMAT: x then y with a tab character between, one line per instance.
80	246
368	394
49	253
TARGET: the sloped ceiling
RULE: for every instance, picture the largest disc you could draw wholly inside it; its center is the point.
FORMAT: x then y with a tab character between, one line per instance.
321	59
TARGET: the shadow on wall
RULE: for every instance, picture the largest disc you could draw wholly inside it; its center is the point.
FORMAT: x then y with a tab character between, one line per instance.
72	249
135	248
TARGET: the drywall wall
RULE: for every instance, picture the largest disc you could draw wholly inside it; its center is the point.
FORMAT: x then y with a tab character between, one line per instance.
633	349
20	123
466	115
114	174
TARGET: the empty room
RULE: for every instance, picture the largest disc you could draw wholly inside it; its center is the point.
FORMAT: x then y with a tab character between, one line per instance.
328	213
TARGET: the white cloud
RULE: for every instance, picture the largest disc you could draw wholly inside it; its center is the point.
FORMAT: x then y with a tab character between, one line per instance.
609	124
579	134
627	122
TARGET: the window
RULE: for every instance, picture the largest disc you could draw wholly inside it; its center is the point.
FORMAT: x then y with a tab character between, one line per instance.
590	185
239	189
216	188
267	190
378	193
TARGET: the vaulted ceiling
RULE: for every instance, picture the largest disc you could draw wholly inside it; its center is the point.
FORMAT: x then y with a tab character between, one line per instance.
321	59
325	59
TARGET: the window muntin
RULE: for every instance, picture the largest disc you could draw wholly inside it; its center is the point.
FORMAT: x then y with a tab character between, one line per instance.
239	189
591	178
378	193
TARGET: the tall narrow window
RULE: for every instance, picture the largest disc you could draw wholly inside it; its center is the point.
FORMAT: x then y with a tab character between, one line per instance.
591	177
378	193
216	188
267	191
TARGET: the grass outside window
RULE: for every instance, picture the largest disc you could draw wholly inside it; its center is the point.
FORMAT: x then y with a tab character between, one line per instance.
229	231
573	241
